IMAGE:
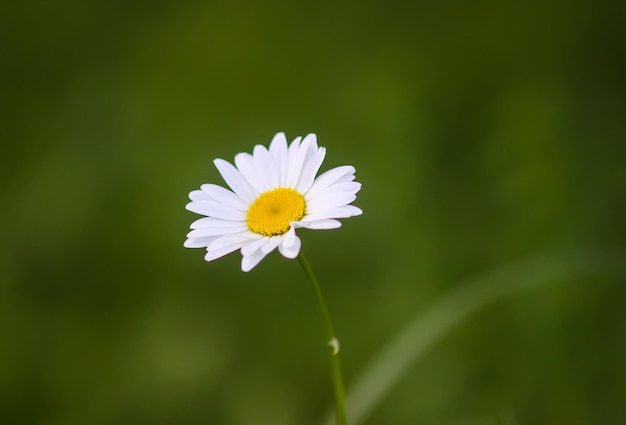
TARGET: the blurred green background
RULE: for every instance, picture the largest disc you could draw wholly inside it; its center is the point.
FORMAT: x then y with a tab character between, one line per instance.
483	133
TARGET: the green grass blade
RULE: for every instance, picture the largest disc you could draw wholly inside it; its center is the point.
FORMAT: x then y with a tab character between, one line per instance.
428	327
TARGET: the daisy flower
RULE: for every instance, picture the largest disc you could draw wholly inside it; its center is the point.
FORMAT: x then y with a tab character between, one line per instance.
273	192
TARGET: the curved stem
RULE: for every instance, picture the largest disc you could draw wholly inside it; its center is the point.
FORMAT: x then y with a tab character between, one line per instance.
333	344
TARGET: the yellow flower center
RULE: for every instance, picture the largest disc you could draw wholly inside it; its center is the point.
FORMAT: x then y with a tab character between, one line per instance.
271	213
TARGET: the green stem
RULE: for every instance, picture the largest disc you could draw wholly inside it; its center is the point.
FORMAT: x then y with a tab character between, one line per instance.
333	345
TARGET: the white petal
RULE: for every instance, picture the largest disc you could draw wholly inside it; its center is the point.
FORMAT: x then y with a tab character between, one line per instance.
280	152
245	164
214	231
228	240
344	179
293	172
266	167
309	169
310	139
351	186
199	242
271	244
330	177
217	210
352	210
251	247
323	224
235	180
307	148
346	188
340	212
328	201
289	238
224	196
198	195
218	253
291	251
248	262
215	223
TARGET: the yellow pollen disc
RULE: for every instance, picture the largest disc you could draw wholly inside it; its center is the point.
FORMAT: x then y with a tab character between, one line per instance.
271	213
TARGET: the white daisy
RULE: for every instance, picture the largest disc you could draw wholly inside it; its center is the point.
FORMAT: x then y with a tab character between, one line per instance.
274	192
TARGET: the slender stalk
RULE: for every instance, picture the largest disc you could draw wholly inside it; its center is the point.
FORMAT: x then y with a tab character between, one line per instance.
333	345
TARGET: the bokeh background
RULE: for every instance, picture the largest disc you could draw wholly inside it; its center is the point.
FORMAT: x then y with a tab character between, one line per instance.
483	133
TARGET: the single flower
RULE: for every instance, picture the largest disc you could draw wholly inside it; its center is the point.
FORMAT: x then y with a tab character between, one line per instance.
273	192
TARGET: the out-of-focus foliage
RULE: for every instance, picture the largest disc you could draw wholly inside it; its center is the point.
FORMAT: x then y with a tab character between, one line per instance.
482	132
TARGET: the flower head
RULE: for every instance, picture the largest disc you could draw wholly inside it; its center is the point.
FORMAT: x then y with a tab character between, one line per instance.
273	192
